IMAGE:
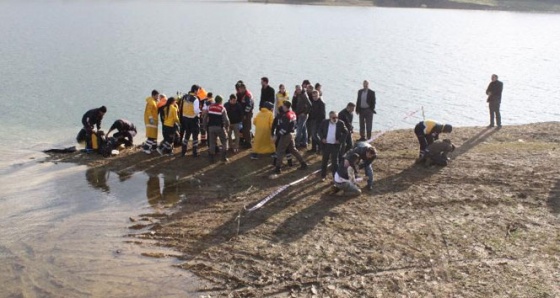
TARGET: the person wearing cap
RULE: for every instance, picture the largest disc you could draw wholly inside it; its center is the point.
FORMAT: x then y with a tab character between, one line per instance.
170	115
347	117
345	177
235	114
91	119
245	98
151	121
217	122
189	108
125	132
367	154
332	133
365	108
263	121
427	132
437	152
317	114
267	92
284	129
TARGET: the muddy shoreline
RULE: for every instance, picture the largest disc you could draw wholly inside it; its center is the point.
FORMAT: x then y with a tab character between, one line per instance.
487	225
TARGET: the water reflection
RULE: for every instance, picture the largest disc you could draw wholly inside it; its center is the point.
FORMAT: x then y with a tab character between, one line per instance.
167	196
97	178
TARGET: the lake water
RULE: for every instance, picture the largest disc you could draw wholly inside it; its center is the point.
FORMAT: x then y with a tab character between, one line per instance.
60	231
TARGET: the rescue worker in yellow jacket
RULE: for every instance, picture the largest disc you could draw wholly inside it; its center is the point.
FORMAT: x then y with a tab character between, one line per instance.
189	108
427	132
151	122
263	143
170	126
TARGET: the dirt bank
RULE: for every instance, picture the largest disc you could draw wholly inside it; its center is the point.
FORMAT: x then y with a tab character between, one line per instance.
485	226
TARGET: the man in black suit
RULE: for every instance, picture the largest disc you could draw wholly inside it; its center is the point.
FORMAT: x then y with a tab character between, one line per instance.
494	92
332	133
347	117
365	108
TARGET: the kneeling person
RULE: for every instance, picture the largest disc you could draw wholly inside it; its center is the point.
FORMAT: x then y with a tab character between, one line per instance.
367	154
345	176
125	132
437	152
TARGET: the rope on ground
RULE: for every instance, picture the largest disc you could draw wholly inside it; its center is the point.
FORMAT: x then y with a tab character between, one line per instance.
286	186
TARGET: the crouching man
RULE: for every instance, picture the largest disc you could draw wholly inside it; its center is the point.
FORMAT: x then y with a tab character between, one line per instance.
125	132
345	176
367	154
437	152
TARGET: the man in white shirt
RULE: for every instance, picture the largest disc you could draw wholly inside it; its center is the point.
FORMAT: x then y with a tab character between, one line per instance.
365	108
332	133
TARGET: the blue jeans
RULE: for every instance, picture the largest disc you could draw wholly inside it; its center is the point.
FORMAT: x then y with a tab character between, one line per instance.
369	173
301	130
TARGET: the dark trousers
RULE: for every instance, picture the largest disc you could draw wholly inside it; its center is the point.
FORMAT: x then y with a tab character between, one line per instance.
168	139
423	140
330	151
312	127
191	126
495	112
366	123
286	143
215	133
347	145
246	131
125	137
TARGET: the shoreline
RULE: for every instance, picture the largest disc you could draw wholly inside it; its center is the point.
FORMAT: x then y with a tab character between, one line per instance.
517	6
485	220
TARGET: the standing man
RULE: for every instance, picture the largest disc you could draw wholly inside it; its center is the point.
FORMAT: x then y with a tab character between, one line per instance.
347	116
90	119
190	124
316	115
245	98
151	120
332	133
494	92
365	108
267	93
284	130
301	109
217	122
235	114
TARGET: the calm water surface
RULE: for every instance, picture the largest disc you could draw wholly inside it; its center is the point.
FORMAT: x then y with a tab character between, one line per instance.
61	224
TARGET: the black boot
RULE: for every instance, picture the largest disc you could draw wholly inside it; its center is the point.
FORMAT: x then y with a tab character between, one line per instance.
183	150
303	166
274	161
211	158
277	170
195	151
290	162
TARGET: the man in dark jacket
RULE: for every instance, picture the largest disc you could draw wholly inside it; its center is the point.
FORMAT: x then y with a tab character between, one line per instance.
494	92
437	152
267	92
317	114
245	98
90	119
347	116
125	132
365	108
235	114
367	155
332	133
284	129
301	109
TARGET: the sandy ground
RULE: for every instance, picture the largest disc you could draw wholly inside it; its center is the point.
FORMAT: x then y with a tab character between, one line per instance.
485	226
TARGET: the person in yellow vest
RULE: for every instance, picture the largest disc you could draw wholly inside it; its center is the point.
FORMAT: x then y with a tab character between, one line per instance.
263	143
151	122
428	131
190	123
170	124
281	97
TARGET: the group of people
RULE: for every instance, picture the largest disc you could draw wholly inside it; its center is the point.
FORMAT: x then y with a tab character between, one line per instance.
198	116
